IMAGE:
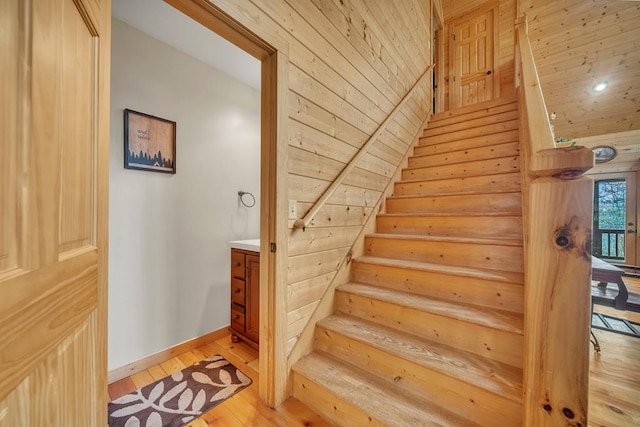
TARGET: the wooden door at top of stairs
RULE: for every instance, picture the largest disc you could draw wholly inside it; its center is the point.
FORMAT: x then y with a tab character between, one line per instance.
472	57
54	156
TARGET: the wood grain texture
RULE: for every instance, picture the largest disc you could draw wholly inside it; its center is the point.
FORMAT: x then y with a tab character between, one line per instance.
345	76
577	44
79	132
626	143
435	320
499	290
351	396
9	134
435	372
53	314
504	49
148	362
243	409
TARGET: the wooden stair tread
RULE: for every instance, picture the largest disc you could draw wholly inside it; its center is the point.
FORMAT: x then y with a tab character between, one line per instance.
497	151
474	240
451	194
427	147
474	107
462	117
472	132
515	175
491	318
493	275
464	169
450	214
468	161
373	395
491	375
468	123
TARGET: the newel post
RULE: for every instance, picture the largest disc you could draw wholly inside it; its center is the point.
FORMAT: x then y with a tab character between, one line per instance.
557	310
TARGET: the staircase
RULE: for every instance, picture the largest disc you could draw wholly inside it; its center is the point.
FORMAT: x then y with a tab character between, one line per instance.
429	330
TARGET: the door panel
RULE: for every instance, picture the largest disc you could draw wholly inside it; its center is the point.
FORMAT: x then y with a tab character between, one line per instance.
52	271
472	58
9	84
77	213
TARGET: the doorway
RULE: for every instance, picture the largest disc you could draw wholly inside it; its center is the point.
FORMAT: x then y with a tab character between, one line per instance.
473	51
273	387
615	213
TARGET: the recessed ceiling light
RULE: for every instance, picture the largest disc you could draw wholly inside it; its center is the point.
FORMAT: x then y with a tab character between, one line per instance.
600	86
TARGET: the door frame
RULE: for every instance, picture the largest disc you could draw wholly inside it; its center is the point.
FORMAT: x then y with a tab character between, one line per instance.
633	196
494	7
438	58
273	54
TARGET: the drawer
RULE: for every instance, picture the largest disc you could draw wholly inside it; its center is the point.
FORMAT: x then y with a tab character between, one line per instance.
237	318
238	291
237	264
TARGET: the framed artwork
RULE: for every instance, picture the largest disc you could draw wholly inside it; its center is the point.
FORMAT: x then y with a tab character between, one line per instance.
149	142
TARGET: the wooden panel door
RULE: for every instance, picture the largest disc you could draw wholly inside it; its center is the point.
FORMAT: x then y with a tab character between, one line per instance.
252	327
472	64
54	57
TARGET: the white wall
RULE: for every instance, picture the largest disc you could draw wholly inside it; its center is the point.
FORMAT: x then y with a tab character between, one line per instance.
168	234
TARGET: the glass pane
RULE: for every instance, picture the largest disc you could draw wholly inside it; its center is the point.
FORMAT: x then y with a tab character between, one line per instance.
609	218
612	197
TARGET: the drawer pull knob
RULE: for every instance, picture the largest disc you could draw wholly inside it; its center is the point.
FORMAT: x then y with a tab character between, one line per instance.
235	317
236	291
237	264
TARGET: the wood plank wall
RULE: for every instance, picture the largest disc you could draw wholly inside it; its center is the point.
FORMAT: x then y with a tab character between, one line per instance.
506	54
350	63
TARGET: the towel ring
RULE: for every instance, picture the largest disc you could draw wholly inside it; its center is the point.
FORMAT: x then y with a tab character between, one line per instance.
241	195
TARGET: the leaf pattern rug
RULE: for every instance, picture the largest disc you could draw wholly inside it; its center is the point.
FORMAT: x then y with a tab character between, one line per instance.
179	398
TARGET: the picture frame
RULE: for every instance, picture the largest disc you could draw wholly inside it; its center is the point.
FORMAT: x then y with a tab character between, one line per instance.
149	142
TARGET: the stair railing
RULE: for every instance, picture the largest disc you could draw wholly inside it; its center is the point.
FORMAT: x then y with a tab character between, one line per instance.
303	222
557	214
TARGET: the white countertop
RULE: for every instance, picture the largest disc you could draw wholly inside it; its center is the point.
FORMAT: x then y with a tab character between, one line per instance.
247	245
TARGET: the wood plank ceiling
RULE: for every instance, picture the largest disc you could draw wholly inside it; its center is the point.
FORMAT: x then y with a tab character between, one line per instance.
578	43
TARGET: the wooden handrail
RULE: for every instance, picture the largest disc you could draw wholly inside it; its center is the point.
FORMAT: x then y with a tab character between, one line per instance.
303	222
557	217
543	157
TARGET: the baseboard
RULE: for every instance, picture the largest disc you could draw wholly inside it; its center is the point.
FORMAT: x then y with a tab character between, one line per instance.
164	355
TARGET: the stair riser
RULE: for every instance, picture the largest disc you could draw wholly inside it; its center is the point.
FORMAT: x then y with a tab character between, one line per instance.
471	133
497	183
465	123
332	407
467	400
452	226
427	146
470	290
442	119
492	257
511	149
502	203
475	168
494	344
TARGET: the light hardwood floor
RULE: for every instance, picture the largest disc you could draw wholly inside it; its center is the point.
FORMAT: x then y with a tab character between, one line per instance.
614	383
242	409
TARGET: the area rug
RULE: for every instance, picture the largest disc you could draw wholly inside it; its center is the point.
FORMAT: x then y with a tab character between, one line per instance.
614	324
178	399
